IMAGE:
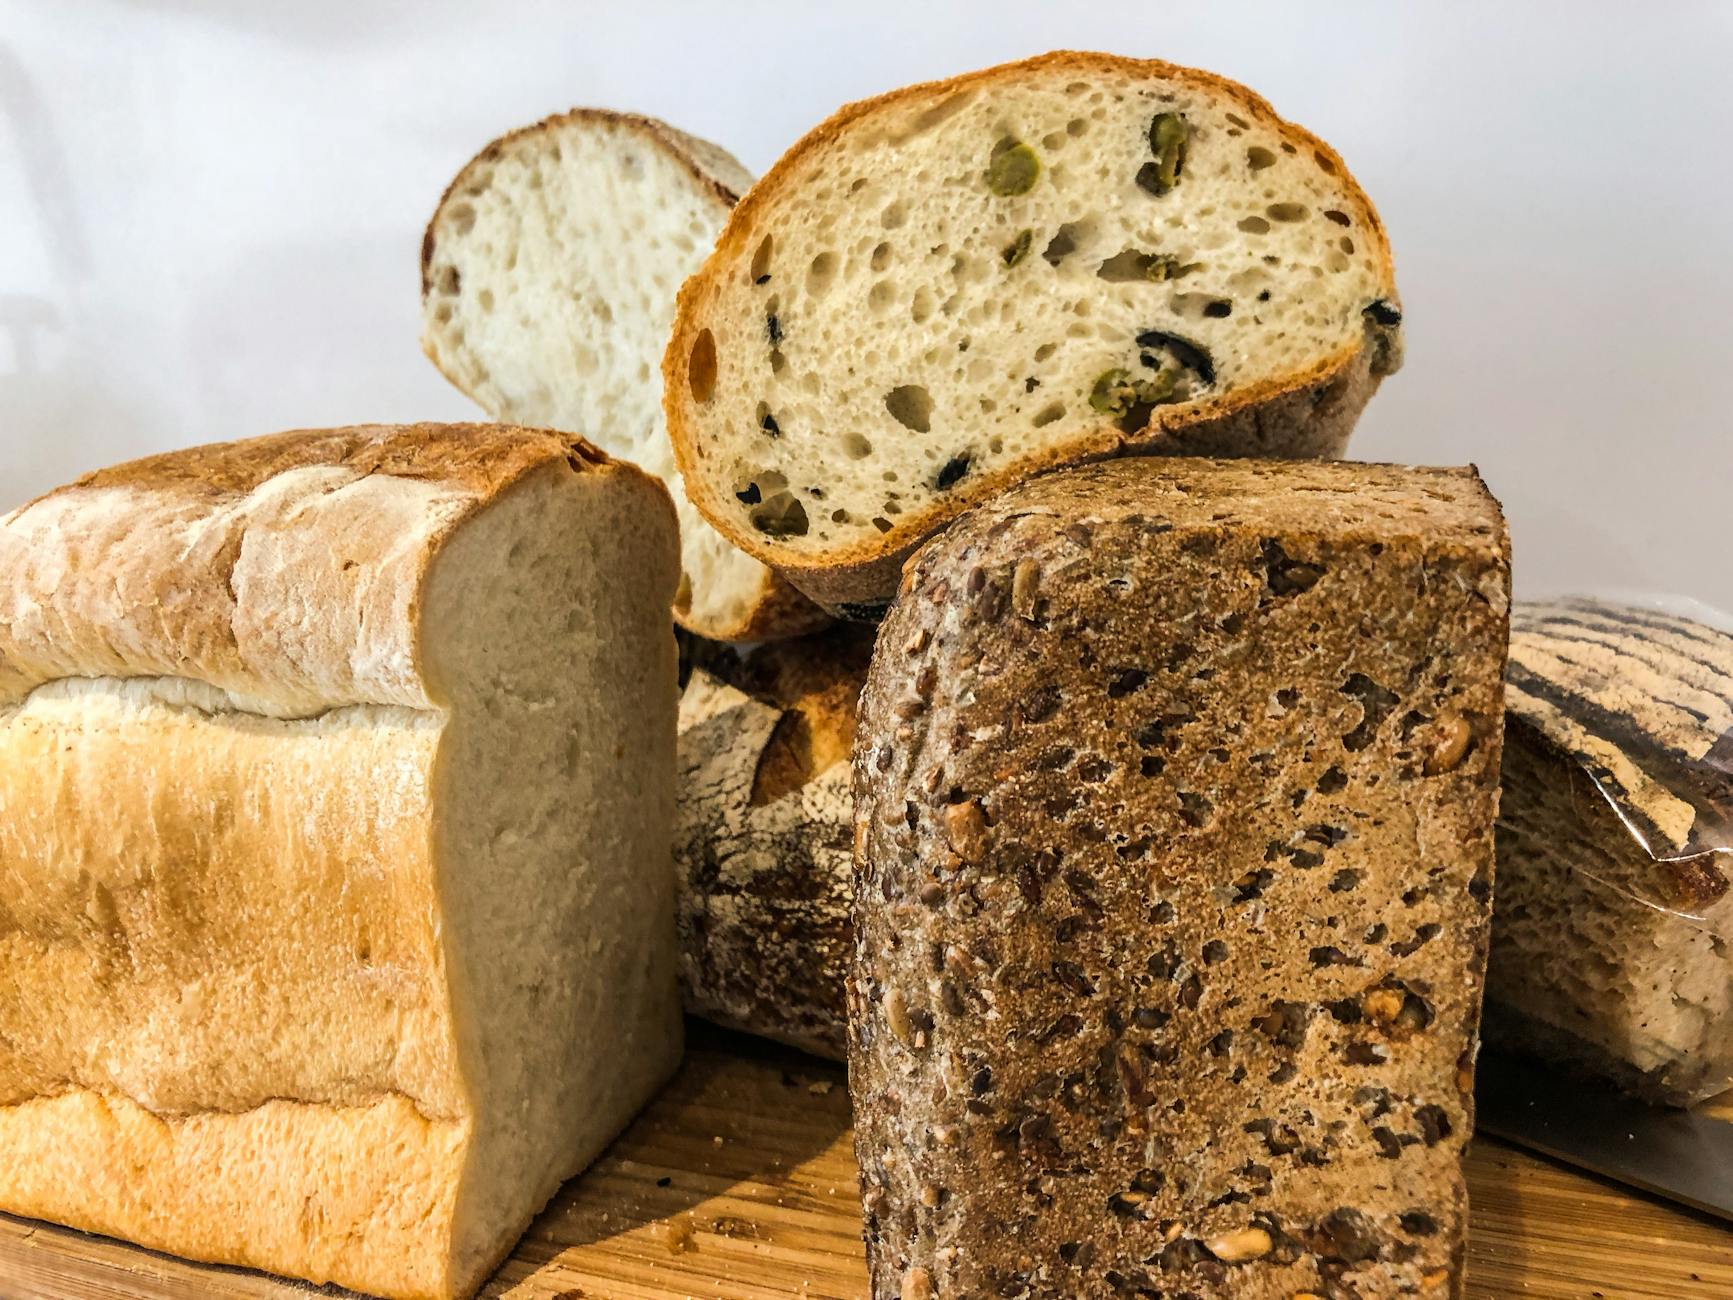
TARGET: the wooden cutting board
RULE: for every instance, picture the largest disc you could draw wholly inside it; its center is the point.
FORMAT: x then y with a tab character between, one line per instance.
739	1184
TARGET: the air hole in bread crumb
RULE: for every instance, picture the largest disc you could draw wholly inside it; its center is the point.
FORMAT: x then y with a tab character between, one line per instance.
761	260
442	314
911	406
1048	414
894	215
485	298
881	257
1286	211
448	280
701	367
921	306
821	273
1324	163
1336	215
856	446
1258	158
462	218
1254	225
1045	350
881	523
1346	243
1067	240
881	295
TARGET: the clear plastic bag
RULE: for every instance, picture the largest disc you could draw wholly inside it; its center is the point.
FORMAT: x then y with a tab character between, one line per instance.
1613	927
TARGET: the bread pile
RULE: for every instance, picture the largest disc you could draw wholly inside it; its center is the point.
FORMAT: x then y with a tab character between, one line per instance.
1149	905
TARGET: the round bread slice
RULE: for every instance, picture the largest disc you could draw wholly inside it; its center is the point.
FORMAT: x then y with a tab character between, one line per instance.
548	278
941	291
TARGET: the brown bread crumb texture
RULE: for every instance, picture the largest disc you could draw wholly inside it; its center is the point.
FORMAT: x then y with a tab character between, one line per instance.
1175	788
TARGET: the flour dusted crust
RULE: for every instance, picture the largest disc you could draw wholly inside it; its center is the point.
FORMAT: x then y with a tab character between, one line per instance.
763	846
773	487
1611	947
1175	789
548	276
260	865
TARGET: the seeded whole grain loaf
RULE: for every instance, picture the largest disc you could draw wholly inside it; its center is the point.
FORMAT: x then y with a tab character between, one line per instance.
1613	945
548	277
337	924
939	291
764	836
1175	787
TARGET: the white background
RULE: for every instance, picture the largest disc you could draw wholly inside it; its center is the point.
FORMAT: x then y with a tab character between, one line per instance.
210	213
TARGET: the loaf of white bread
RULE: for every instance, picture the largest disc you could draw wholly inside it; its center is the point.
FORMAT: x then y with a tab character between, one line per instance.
336	798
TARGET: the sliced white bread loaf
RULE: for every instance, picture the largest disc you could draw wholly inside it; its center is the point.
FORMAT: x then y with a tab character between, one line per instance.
939	291
337	926
548	278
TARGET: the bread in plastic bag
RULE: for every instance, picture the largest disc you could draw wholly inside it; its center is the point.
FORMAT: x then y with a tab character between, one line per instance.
1612	943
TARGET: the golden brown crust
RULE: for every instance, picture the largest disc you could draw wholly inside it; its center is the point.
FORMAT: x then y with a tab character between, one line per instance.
184	564
371	1188
859	572
482	458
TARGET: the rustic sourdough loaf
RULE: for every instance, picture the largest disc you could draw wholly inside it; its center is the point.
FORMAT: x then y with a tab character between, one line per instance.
1611	945
764	834
337	920
1175	788
548	277
938	291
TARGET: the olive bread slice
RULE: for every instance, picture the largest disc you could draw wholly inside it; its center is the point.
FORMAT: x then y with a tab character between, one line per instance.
941	290
548	276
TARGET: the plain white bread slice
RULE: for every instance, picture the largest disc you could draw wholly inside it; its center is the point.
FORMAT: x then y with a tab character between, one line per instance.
336	830
940	291
548	278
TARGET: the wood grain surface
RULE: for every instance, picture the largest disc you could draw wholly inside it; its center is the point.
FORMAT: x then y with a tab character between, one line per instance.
739	1184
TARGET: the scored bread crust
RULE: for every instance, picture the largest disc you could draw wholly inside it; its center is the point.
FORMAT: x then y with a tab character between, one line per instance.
775	609
1310	411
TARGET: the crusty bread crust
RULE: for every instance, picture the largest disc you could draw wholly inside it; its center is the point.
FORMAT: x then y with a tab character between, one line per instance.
779	610
182	564
859	574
